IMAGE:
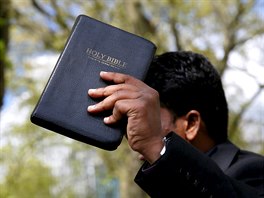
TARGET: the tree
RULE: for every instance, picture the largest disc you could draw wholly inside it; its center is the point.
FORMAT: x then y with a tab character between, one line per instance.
4	40
26	176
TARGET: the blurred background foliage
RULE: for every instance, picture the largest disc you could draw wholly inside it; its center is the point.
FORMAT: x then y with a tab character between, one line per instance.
37	163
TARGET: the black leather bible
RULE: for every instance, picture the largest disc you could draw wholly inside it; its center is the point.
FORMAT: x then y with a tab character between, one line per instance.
92	46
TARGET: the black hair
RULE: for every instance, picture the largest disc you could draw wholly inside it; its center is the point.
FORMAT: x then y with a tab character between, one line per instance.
188	81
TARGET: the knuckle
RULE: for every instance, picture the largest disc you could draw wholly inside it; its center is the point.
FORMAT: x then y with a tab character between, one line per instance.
102	105
104	93
116	96
153	96
155	93
105	104
134	145
127	78
118	106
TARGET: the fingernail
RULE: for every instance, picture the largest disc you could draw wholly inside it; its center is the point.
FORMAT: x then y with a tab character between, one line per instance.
91	107
90	91
103	72
106	119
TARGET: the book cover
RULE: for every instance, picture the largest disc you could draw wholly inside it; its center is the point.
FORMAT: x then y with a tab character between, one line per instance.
92	46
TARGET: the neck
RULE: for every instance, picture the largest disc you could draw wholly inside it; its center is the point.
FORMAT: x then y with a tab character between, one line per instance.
203	143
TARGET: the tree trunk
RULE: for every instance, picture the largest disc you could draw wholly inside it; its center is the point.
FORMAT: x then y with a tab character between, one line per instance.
5	7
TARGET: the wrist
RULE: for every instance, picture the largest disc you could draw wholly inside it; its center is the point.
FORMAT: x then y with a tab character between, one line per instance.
156	152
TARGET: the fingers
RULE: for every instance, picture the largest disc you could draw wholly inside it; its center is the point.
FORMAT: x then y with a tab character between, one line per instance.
119	78
125	88
119	110
126	94
110	101
109	90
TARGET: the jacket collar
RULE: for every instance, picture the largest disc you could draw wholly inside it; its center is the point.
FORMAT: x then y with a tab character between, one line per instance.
223	154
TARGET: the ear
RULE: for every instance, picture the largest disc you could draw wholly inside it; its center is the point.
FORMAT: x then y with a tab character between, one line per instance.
193	119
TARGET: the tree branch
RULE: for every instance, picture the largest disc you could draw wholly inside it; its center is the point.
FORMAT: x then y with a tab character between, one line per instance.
39	8
58	16
244	107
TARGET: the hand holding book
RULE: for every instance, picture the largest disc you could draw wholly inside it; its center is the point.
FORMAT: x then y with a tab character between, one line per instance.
139	103
92	46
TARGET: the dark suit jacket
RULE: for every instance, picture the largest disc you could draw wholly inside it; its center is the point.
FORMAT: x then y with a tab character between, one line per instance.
183	171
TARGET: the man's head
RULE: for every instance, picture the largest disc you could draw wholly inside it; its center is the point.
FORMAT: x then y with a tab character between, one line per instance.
188	83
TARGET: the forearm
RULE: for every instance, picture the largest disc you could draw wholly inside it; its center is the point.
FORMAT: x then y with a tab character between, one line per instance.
183	169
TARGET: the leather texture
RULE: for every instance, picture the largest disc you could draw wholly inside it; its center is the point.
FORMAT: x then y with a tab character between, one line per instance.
92	46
